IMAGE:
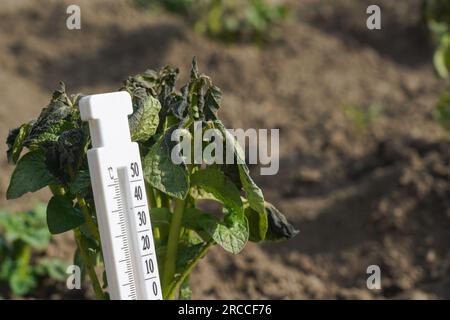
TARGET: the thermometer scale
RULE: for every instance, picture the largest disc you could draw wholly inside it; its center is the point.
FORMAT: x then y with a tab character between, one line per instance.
120	199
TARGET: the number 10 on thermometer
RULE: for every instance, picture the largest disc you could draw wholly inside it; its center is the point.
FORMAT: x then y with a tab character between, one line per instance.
120	199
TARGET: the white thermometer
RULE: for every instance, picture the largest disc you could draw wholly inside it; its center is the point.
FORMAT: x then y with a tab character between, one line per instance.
120	199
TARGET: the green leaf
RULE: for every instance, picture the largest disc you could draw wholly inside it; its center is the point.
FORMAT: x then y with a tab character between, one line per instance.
81	182
30	175
254	193
22	282
257	224
8	264
197	193
186	254
144	120
439	60
185	290
62	216
15	140
232	172
53	268
27	226
441	112
161	173
279	228
232	234
216	183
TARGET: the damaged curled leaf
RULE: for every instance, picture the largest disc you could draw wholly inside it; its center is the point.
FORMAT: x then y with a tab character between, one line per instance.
15	141
64	156
254	193
52	122
144	120
278	226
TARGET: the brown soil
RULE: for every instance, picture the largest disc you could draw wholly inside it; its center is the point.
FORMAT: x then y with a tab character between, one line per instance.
360	196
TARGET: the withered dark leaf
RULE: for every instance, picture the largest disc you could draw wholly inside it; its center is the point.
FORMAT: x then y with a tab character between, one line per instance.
279	228
64	156
144	120
212	102
53	120
12	135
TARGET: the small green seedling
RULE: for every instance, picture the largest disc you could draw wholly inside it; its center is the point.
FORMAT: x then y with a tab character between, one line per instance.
57	142
441	112
362	118
229	21
23	238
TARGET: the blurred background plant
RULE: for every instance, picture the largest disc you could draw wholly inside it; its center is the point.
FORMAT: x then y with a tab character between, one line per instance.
441	112
24	238
229	21
437	15
362	118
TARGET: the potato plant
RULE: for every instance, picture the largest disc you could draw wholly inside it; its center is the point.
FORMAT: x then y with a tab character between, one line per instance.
437	15
56	144
23	239
229	21
441	112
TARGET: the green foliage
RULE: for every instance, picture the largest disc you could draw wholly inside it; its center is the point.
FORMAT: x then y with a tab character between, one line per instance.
161	173
219	186
57	143
31	174
231	234
362	118
437	15
144	120
23	235
62	216
441	112
229	20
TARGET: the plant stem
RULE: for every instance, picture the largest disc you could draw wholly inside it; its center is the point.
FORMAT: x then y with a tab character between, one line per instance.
89	267
158	198
174	286
150	195
172	244
88	217
152	204
165	201
59	190
23	258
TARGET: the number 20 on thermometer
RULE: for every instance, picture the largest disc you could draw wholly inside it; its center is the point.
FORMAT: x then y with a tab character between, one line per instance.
120	199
